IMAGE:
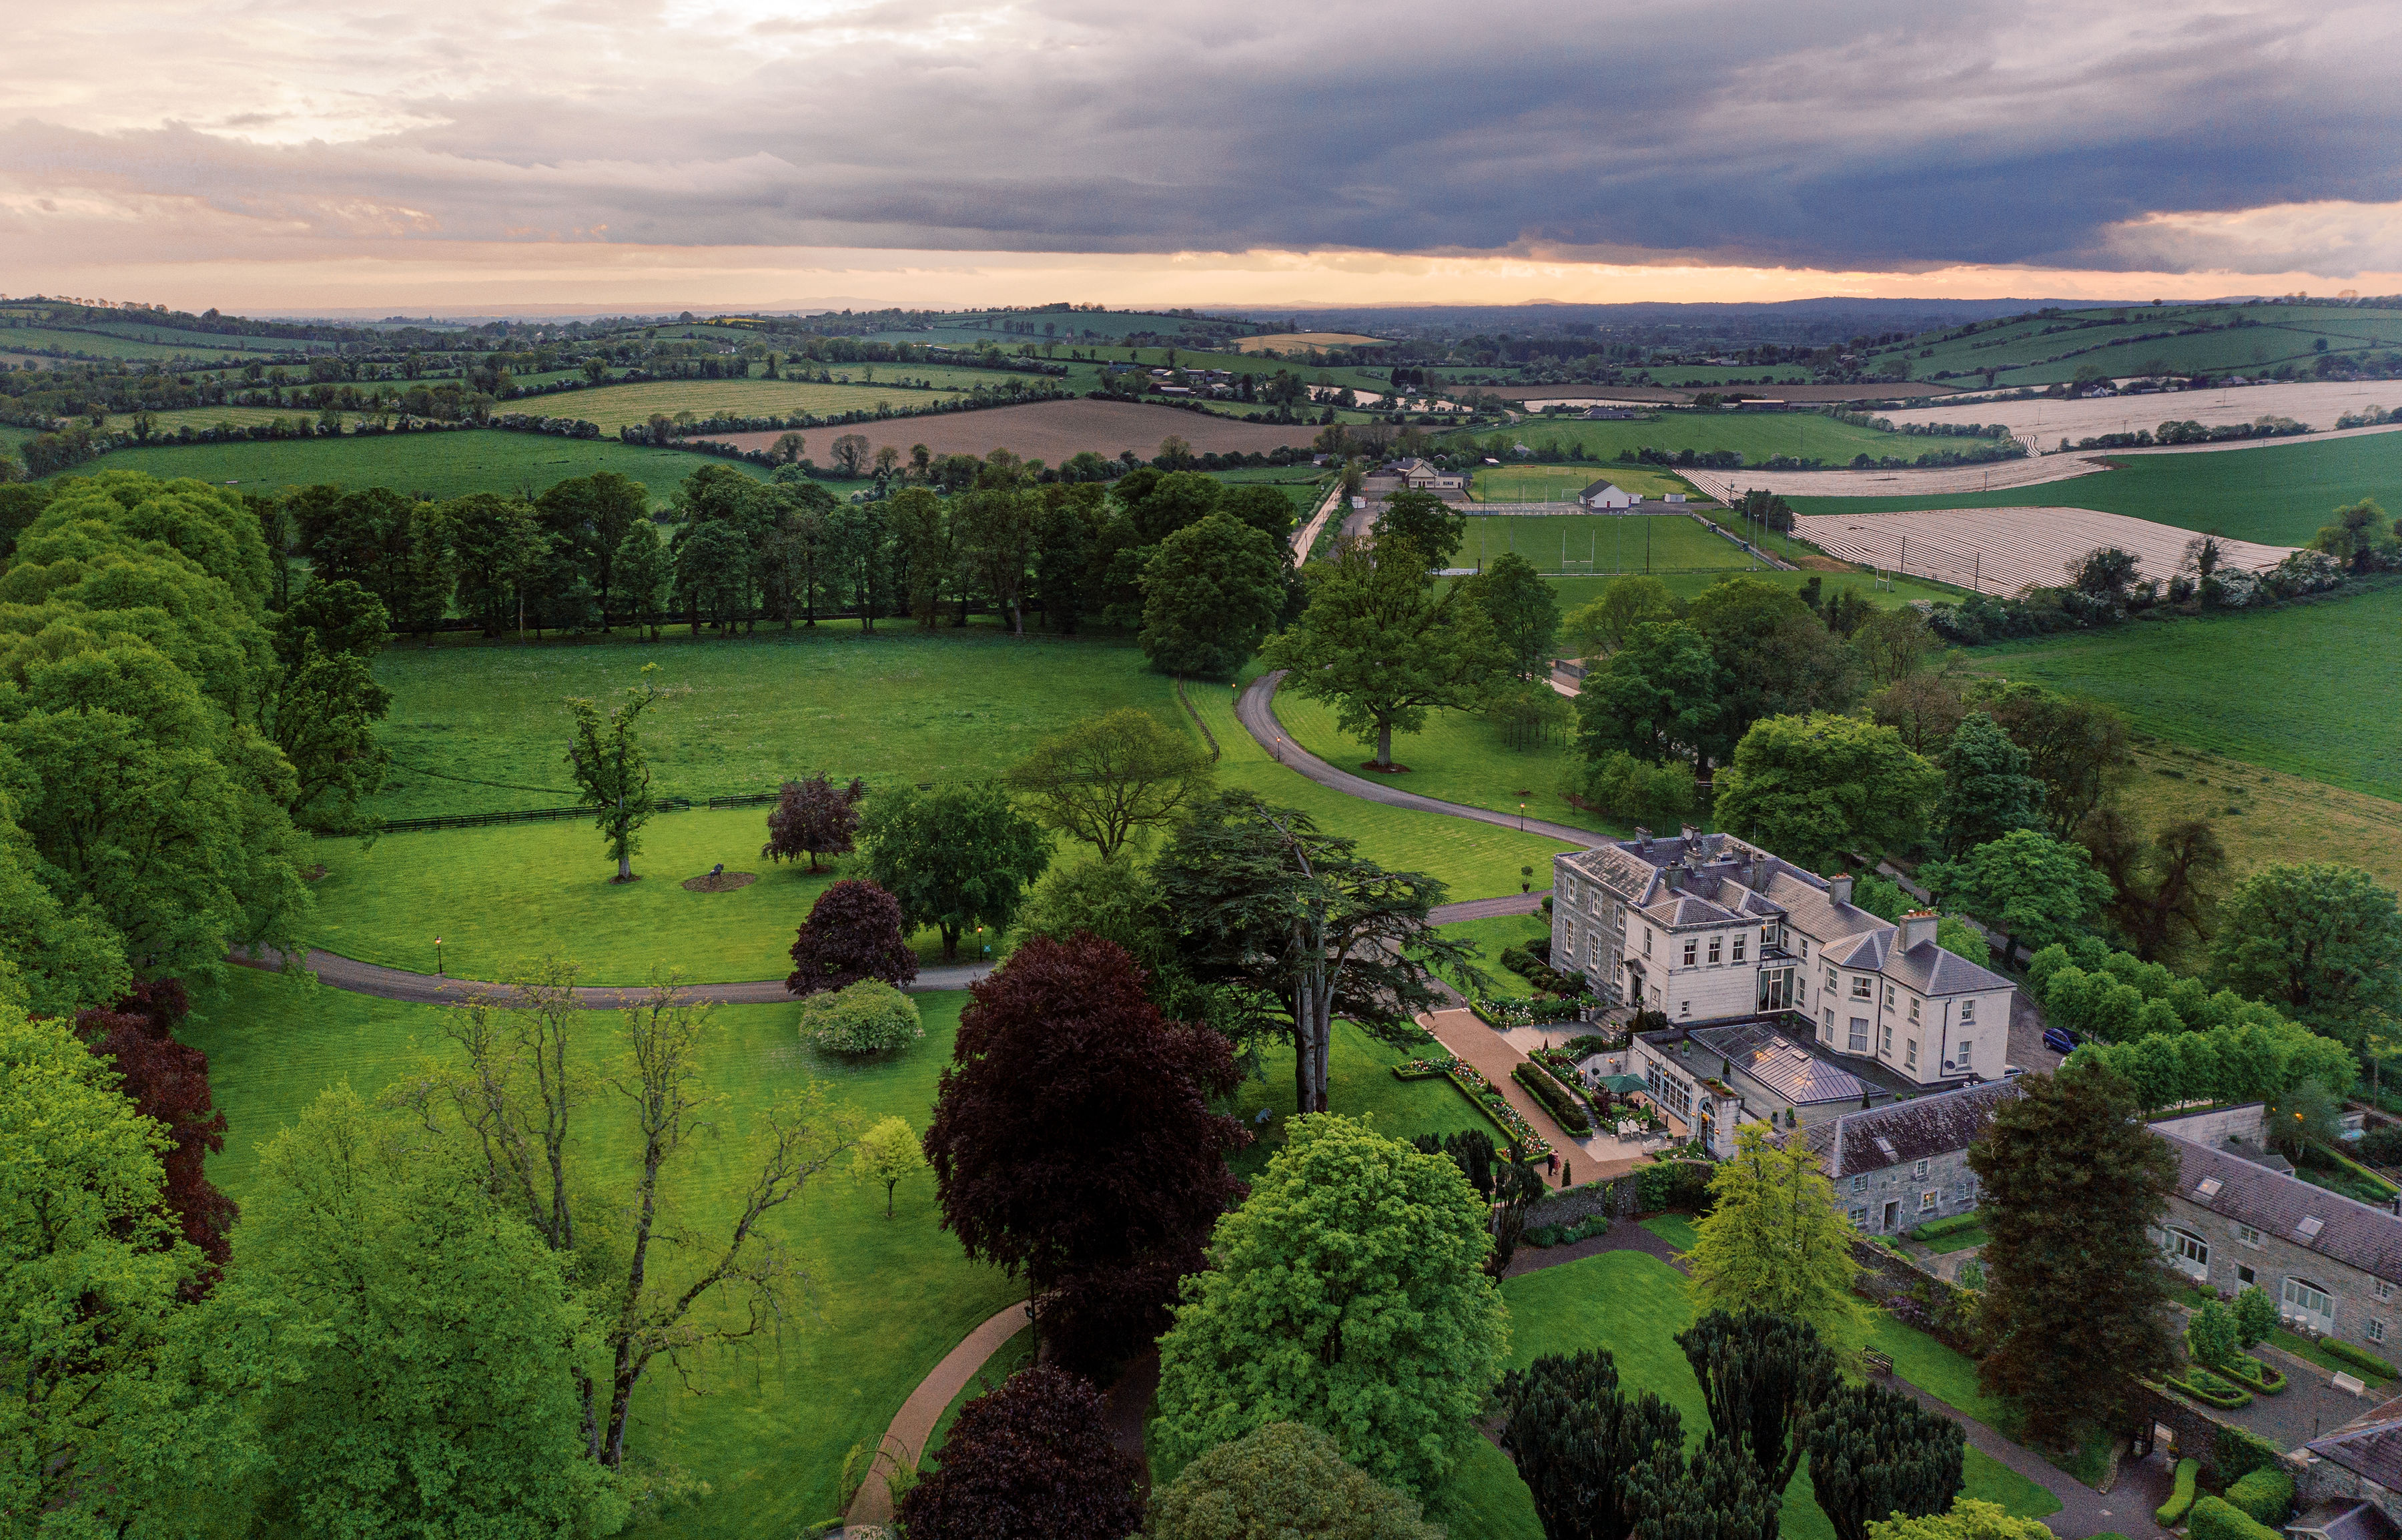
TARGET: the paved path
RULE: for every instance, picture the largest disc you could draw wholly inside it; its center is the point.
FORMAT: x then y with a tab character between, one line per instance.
1486	1051
1256	709
396	983
1307	536
905	1441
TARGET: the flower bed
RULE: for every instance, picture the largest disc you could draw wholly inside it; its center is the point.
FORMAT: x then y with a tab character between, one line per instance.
2252	1374
1504	1014
2210	1390
1425	1069
1557	1099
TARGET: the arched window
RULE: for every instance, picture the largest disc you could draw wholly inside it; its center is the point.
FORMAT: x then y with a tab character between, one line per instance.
2189	1251
2305	1298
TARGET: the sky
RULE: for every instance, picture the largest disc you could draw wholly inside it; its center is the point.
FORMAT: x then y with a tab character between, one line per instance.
271	157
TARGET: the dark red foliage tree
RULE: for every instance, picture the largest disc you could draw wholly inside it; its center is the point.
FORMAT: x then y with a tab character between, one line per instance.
1030	1461
168	1081
853	932
1072	1139
816	818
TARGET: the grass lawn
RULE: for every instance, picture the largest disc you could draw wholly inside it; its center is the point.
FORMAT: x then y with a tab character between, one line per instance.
1459	758
888	1299
1634	1305
1756	437
1959	1240
1676	1229
1573	591
442	464
1472	860
1360	1083
2303	1347
2303	675
1493	937
2276	492
1516	483
616	407
1602	543
479	726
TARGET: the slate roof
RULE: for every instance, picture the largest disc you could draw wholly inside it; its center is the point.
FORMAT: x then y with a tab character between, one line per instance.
1779	1062
1600	486
1904	1131
2370	1445
1926	968
2353	1233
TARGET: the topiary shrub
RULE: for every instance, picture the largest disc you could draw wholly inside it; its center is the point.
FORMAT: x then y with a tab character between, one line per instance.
1555	1100
2213	1518
868	1017
2267	1494
2171	1513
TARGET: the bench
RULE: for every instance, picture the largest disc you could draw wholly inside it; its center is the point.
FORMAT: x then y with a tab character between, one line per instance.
1878	1363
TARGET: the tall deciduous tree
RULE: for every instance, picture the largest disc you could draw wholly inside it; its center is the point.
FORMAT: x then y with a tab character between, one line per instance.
1072	1141
499	548
2038	889
168	1081
1295	928
1577	1440
1876	1454
1812	788
2075	1307
1658	698
1773	1240
1763	1377
814	818
853	932
1524	613
1031	1461
1426	522
2073	745
2319	941
589	517
1893	645
2165	890
1348	1294
1925	708
1776	658
642	572
1988	790
995	529
1211	591
613	773
1602	625
324	703
1112	776
1380	645
956	857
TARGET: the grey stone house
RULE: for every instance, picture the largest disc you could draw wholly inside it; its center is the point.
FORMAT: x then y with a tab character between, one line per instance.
2349	1483
2333	1265
1900	1165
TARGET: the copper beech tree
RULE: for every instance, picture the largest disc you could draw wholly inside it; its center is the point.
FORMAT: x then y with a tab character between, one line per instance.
1072	1141
1028	1461
814	818
167	1081
853	932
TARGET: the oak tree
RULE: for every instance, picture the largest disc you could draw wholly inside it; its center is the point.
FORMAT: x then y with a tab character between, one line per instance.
1111	776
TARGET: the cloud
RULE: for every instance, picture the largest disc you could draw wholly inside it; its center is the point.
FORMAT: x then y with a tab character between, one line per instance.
1745	132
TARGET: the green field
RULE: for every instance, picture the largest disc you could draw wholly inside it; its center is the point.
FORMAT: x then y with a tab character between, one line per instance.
2294	688
616	407
1589	544
1573	591
1473	860
1635	1304
199	417
1562	483
1459	758
440	464
1755	436
101	345
2281	333
2277	493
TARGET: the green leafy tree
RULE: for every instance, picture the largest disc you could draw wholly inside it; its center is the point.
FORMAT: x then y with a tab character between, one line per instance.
1893	643
54	960
611	772
1876	1454
1381	647
715	573
1658	698
1211	591
1430	526
326	702
2037	890
1524	613
1812	788
1265	509
1987	789
2319	941
1112	777
924	552
955	857
2073	1285
2211	1335
1775	1241
1775	655
1624	787
499	549
1763	1378
868	1016
1967	1519
2304	1114
1280	1480
2075	745
1577	1440
642	572
2256	1317
996	530
428	1340
2165	888
1347	1294
588	519
888	1153
1602	625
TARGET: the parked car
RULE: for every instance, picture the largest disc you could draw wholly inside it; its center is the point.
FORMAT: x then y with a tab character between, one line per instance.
2060	1040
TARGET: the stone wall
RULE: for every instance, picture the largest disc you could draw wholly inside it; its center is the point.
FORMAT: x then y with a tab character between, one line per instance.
1944	1310
1620	1198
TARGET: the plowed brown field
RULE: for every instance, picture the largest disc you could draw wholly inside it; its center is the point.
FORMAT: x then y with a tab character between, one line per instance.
1052	431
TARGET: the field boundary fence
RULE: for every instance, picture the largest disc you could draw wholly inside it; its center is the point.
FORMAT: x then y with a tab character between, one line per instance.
546	815
1207	737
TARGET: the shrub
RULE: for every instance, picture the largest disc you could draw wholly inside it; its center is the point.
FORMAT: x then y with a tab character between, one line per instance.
867	1017
2215	1519
1679	1185
1935	1230
2210	1390
2252	1373
1282	1480
2239	1453
2357	1357
2171	1513
2267	1494
853	932
1556	1099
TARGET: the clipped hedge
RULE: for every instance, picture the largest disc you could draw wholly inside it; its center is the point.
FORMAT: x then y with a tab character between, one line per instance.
2210	1390
1935	1230
1569	1234
2239	1452
2252	1374
1554	1098
2213	1518
2267	1494
2169	1514
2357	1357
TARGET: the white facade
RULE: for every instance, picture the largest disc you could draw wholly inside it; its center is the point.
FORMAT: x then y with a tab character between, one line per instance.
1604	494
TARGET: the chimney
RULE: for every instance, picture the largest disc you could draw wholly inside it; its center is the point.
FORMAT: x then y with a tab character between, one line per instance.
1917	927
1840	889
1675	877
1693	835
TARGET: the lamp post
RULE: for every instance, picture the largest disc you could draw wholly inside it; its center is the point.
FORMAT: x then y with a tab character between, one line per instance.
438	957
981	951
1521	818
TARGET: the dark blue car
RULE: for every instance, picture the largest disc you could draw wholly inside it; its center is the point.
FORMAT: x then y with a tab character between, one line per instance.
2060	1040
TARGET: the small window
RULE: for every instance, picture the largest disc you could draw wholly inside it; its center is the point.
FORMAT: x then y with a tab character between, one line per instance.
1967	1013
1860	1216
1885	1040
1571	935
2377	1331
1826	1027
1646	940
1690	949
1914	1010
1715	945
2382	1289
1859	989
1927	1202
1968	1056
1739	942
1859	1183
1909	1054
1888	997
2245	1277
1831	983
2247	1235
1684	1008
2209	1189
1859	1034
1919	1170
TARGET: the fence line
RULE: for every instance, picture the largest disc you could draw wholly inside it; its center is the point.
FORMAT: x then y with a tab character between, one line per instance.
1207	737
545	815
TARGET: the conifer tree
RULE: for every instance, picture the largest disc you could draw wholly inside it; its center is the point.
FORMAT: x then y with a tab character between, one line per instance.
1875	1452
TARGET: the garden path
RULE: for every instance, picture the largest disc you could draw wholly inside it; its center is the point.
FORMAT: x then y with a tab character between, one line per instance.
914	1423
1494	1057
